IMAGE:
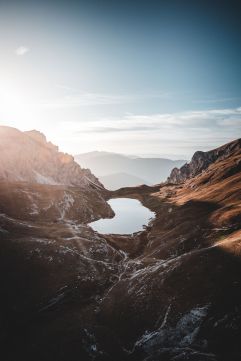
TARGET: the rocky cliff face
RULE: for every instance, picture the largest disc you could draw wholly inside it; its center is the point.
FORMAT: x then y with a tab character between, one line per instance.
201	160
28	157
39	183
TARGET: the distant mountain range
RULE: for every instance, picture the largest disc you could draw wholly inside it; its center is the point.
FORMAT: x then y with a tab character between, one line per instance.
117	170
119	180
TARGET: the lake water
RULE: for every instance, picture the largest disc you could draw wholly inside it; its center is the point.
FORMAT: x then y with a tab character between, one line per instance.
130	216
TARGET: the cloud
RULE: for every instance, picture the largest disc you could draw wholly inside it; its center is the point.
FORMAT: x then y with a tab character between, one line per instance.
215	100
173	133
178	134
74	98
219	120
109	129
85	99
22	50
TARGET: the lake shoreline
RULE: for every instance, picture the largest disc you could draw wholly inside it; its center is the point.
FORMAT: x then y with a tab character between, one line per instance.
131	216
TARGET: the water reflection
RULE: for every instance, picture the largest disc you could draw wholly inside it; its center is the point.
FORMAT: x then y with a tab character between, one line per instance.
130	216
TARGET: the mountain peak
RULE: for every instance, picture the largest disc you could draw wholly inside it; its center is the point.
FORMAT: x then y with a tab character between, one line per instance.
201	161
36	135
28	157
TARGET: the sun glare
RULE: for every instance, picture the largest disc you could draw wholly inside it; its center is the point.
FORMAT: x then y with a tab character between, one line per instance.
17	103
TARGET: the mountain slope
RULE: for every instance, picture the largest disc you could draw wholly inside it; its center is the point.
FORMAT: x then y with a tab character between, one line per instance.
184	296
27	156
201	160
48	253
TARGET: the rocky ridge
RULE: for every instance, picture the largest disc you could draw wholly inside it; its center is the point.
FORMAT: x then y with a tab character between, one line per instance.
28	157
201	160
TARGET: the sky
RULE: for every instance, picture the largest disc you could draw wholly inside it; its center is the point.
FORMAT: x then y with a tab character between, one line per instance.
153	78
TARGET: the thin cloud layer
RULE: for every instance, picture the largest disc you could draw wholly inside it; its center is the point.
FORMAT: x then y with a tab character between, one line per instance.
75	98
191	120
22	50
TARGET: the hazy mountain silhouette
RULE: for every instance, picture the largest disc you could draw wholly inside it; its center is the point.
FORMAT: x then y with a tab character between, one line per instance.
118	170
116	180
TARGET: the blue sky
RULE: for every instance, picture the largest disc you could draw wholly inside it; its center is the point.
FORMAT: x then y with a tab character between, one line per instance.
138	77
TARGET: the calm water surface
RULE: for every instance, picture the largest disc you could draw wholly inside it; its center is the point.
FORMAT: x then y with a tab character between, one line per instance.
130	216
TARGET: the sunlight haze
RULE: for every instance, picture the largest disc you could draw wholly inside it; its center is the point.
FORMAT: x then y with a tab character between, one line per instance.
120	83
